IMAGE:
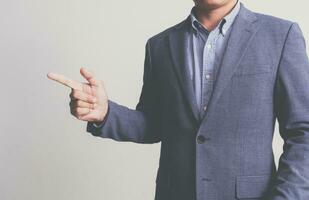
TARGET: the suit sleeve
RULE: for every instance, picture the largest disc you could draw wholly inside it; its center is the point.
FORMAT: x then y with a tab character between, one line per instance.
292	112
139	125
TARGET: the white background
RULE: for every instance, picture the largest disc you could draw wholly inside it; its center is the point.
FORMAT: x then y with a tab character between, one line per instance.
45	153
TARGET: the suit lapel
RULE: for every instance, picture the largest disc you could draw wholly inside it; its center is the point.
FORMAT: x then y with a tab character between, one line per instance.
243	30
179	49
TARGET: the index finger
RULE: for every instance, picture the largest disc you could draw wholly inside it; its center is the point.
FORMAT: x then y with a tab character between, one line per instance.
65	81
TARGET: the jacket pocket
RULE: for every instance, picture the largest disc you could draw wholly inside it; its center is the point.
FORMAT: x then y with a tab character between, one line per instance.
252	186
244	71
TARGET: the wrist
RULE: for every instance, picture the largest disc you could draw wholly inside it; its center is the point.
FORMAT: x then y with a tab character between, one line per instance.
101	121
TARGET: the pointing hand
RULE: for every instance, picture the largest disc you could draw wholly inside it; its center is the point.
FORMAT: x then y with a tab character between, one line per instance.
89	101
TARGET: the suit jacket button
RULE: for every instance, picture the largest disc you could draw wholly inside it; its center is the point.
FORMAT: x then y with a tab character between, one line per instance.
201	139
207	179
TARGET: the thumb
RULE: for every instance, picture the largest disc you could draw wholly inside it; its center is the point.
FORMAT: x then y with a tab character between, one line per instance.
89	77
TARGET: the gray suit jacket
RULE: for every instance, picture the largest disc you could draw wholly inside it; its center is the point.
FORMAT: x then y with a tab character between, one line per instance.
227	154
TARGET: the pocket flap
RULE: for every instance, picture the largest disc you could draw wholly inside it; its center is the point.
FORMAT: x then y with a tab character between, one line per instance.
252	186
260	69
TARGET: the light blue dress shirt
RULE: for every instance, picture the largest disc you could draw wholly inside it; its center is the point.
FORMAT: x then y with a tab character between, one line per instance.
207	51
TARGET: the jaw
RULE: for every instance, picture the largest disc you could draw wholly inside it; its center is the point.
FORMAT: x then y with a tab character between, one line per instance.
212	4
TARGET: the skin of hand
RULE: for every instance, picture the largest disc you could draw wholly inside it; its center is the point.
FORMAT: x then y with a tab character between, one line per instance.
89	101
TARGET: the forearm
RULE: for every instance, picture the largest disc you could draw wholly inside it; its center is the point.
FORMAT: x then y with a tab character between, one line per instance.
292	178
125	124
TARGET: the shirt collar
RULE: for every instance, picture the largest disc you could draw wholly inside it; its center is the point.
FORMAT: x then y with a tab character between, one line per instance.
224	24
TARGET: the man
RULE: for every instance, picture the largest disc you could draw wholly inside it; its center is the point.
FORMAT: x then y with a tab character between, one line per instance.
213	86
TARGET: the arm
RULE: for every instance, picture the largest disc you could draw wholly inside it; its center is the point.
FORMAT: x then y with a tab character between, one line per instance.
292	111
140	125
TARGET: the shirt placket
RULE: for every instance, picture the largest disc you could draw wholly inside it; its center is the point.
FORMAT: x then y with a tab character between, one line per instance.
208	68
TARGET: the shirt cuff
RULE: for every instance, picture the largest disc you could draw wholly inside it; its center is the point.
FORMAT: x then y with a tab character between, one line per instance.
97	125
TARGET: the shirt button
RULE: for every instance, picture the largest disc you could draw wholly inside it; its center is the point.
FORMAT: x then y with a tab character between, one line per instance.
223	31
204	108
200	139
207	76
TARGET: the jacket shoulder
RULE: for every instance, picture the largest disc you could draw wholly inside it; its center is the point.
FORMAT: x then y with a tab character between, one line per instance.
166	32
274	23
273	29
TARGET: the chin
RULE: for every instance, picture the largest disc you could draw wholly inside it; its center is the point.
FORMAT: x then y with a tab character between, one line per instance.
212	4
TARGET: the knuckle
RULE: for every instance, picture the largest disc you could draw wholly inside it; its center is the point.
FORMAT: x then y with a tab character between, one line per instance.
78	110
75	94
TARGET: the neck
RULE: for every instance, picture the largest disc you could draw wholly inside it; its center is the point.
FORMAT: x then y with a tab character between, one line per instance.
210	17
